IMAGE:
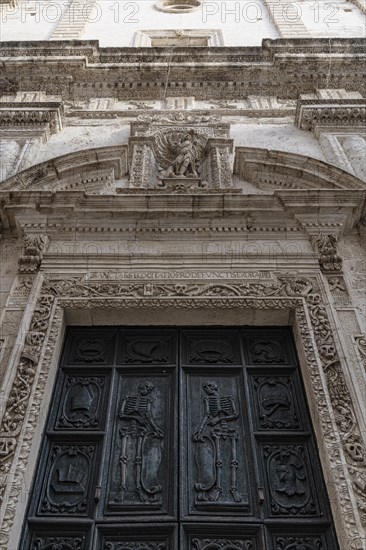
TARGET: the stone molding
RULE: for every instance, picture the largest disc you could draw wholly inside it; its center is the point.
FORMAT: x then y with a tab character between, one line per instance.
347	462
43	117
282	67
311	113
144	38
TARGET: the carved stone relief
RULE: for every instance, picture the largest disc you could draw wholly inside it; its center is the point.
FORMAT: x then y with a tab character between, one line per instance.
299	543
338	289
179	152
326	246
276	403
216	441
287	470
34	247
222	544
139	473
333	399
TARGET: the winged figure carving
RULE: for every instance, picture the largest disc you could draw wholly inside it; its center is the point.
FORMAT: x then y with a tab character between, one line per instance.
179	153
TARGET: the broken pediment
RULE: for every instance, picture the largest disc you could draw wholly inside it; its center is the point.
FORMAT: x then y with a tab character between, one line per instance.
94	171
273	170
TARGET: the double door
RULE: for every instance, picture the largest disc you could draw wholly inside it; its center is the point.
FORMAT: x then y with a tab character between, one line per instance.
178	438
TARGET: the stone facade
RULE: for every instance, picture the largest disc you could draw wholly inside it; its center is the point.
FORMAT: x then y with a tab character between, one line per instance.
135	190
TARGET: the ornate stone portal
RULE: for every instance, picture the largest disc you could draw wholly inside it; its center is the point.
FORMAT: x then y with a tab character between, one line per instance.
328	394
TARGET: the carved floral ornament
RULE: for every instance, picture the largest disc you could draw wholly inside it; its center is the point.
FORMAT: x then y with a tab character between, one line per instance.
337	417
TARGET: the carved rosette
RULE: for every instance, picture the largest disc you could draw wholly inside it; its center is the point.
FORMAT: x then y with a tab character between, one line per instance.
347	463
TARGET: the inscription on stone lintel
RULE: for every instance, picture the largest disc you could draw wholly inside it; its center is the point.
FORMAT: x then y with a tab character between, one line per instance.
187	275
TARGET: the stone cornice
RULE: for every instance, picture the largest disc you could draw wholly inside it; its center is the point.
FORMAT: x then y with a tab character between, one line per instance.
285	68
205	213
38	115
312	113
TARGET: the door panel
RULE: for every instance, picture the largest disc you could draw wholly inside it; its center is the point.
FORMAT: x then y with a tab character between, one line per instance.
141	475
216	455
178	439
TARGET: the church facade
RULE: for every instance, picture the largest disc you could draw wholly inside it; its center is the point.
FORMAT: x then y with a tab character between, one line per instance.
183	275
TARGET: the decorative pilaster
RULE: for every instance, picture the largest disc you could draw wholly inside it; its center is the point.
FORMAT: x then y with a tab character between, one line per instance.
142	164
217	167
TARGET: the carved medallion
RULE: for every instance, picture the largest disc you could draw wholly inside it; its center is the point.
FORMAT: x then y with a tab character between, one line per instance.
275	403
288	479
81	408
148	349
91	350
263	351
210	351
67	489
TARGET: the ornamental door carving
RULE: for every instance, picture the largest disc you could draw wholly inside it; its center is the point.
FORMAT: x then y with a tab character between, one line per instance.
189	439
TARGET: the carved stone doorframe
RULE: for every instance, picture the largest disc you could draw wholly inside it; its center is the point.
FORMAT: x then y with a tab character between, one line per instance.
339	439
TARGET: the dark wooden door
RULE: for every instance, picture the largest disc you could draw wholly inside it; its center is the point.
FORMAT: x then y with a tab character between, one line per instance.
189	438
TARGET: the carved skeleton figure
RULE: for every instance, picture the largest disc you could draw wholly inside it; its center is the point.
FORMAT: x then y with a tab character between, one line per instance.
219	412
138	424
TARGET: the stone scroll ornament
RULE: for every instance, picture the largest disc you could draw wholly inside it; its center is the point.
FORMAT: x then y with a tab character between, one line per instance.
340	431
218	424
139	427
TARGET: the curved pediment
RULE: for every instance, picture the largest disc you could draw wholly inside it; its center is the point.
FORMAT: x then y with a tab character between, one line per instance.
92	170
274	170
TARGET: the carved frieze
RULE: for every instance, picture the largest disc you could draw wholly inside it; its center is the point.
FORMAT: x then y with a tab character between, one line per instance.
300	543
222	544
312	113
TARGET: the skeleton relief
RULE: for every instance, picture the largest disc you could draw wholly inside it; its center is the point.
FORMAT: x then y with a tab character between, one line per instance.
217	428
140	446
